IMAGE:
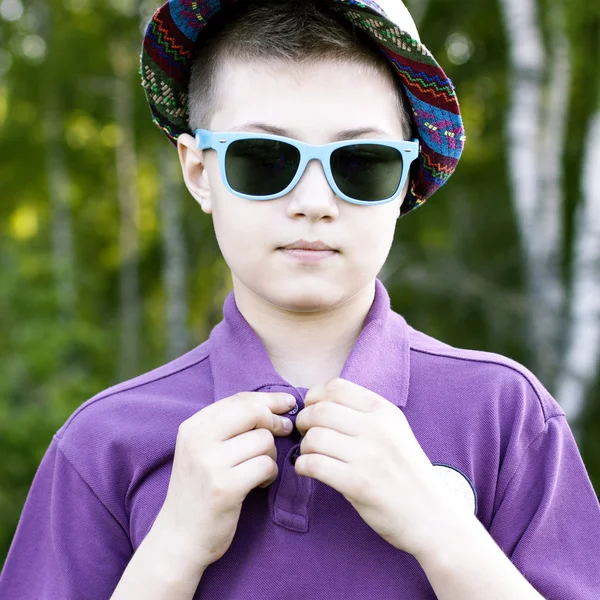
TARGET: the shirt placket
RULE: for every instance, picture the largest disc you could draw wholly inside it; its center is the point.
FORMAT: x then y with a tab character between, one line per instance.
291	494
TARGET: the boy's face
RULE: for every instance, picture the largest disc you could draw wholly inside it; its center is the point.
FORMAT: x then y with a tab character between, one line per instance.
312	104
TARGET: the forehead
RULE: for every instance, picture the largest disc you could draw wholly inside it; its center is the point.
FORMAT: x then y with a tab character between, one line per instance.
314	100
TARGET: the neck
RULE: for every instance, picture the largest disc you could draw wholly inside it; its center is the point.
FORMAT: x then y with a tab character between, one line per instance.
306	348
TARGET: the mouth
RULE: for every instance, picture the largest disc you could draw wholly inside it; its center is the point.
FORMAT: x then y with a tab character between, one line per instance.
308	245
308	256
308	252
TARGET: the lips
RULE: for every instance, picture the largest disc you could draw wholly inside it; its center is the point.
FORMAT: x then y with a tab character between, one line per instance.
309	256
306	245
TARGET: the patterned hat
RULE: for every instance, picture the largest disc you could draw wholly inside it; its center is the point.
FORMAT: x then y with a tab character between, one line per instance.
169	50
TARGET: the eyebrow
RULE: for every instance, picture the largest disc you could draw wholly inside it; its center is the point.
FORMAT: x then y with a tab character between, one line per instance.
347	134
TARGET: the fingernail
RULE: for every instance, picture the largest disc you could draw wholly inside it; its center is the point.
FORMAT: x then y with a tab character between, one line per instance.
287	425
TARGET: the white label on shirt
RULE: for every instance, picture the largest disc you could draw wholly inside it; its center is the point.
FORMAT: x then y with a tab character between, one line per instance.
458	483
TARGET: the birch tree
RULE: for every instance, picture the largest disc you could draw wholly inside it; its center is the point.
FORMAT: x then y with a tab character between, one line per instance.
527	60
537	128
583	341
549	237
536	138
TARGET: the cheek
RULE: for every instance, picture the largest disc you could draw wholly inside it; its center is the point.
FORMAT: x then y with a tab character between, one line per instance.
227	208
232	233
375	236
240	229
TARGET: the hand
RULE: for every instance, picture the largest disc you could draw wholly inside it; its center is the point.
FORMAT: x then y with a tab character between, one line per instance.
222	452
362	445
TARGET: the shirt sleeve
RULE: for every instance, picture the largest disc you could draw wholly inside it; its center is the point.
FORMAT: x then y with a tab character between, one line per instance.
67	544
548	519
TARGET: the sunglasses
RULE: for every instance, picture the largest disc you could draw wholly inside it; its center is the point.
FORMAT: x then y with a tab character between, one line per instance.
263	167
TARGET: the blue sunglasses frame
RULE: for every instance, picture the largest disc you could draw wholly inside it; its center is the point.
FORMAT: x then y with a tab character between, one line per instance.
220	141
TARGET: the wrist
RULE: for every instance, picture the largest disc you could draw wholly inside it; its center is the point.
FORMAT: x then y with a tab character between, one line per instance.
158	569
447	542
467	563
178	553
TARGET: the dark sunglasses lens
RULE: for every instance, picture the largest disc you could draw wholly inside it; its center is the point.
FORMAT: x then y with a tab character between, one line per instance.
259	167
368	172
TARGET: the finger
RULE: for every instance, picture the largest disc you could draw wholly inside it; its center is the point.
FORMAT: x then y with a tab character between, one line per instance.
328	442
240	417
268	482
259	417
344	392
332	416
278	403
330	471
254	472
249	445
243	412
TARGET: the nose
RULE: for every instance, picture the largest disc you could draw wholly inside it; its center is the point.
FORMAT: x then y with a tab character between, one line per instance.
313	195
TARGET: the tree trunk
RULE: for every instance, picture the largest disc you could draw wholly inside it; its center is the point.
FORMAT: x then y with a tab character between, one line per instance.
536	189
583	341
126	167
549	245
174	265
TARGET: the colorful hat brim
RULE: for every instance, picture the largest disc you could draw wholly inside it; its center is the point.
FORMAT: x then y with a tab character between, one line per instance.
169	50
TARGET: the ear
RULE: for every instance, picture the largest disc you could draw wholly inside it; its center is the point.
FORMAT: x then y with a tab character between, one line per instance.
194	173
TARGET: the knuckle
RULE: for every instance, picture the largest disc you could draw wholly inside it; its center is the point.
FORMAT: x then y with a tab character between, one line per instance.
309	462
266	463
182	431
274	467
272	472
309	438
304	444
265	437
198	420
320	435
335	384
242	401
320	410
184	436
259	410
185	426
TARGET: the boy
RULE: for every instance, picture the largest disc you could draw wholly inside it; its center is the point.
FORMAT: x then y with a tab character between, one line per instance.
410	469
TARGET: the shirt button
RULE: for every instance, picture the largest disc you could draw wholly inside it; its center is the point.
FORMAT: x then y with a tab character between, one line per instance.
294	410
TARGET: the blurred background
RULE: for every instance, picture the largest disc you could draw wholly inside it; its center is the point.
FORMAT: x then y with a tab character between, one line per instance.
108	267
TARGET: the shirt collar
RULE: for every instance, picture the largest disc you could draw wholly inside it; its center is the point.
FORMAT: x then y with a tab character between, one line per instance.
378	361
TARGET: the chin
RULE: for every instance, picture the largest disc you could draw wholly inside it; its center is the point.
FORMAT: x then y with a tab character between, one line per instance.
307	296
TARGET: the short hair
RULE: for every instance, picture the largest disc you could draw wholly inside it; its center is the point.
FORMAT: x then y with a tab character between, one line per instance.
295	31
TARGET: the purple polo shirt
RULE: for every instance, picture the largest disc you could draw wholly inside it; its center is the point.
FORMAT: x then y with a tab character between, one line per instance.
106	472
